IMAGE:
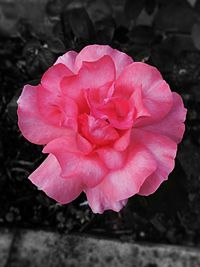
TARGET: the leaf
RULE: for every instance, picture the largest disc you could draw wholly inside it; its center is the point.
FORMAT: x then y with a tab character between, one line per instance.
172	195
30	54
31	47
54	7
176	17
196	35
56	45
98	10
142	34
178	43
150	6
192	2
80	23
140	53
12	12
197	6
121	34
167	52
12	106
46	58
8	19
105	30
100	13
38	58
133	8
57	30
62	30
189	156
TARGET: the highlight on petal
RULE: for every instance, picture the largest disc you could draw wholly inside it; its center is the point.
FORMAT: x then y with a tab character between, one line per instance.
99	202
92	53
77	163
126	182
53	76
172	125
136	102
156	94
163	150
47	178
123	142
112	158
57	109
103	69
74	86
72	143
68	59
158	103
137	74
31	122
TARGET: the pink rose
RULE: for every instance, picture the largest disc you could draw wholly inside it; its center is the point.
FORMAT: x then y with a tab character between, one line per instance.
110	127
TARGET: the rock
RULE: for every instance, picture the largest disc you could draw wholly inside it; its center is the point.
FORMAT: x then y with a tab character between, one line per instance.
40	248
6	238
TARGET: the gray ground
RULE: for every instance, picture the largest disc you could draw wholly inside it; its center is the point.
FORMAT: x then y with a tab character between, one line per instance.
23	248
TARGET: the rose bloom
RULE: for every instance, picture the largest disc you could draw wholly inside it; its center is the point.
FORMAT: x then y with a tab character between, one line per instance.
110	127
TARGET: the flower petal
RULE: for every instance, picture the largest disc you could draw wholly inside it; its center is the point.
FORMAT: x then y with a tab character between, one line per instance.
72	143
91	75
117	111
53	76
136	102
123	142
126	182
113	159
172	125
47	178
164	151
57	109
97	131
156	94
95	52
99	202
158	103
73	162
31	122
68	59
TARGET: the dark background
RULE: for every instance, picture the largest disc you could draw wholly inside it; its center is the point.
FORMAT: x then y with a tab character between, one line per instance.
165	34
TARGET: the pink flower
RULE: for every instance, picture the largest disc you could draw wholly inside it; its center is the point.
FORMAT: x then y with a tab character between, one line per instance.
110	127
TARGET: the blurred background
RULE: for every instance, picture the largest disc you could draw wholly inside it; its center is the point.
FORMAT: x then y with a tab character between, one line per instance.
166	34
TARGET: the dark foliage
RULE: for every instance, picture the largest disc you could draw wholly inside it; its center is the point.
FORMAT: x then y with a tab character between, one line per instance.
162	33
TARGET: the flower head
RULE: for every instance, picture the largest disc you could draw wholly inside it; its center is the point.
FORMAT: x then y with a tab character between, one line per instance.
110	127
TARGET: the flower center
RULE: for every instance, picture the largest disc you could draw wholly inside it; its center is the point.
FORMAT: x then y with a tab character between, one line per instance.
97	131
